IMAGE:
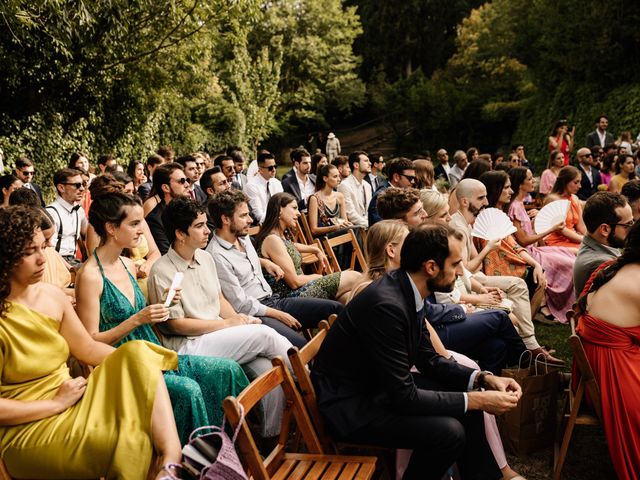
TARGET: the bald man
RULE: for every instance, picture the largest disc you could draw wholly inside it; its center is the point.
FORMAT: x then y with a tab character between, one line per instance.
590	174
472	198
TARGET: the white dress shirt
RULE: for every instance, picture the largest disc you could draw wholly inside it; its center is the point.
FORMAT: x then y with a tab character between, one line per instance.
73	223
357	196
306	189
256	190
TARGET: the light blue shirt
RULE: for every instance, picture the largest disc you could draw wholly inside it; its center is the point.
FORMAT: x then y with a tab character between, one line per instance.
419	306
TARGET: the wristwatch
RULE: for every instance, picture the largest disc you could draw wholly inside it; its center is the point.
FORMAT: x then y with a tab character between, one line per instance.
480	379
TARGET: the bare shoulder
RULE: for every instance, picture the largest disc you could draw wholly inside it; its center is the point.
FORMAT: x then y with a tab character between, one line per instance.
89	276
50	300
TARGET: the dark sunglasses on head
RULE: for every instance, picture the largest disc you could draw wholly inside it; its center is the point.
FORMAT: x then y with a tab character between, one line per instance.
271	168
76	184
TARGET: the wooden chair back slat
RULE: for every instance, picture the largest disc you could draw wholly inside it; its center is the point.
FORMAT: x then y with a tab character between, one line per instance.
300	360
586	372
306	229
278	376
574	413
356	252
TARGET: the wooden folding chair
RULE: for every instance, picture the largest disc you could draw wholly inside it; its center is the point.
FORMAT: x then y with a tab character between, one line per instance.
306	229
300	360
575	412
356	251
313	260
279	463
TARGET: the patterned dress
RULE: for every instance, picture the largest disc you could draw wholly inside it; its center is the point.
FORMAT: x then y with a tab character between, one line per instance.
200	383
557	263
325	287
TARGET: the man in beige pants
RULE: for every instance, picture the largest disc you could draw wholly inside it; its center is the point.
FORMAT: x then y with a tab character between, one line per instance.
472	198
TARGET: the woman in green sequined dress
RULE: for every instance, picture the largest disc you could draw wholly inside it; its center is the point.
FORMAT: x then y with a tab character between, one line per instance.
274	243
114	311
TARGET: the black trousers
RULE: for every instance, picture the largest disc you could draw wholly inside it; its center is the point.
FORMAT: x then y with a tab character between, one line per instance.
308	311
437	441
488	336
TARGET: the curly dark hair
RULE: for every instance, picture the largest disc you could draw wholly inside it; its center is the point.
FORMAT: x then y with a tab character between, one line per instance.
17	226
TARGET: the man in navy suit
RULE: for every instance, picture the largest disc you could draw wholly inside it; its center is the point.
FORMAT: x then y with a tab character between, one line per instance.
600	136
299	183
25	171
590	174
362	373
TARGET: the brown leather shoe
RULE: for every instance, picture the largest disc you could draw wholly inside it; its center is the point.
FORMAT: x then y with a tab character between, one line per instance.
542	356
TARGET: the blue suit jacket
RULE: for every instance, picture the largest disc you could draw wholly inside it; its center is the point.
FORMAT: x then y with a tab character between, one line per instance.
362	371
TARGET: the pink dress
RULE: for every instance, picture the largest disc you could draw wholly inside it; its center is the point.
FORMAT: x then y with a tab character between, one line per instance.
547	179
557	263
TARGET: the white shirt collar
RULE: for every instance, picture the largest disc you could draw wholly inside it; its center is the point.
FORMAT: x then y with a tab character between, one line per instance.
416	294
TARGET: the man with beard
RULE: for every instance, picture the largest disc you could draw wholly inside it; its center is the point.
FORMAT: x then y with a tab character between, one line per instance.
169	182
608	218
362	373
472	198
297	181
487	336
240	273
356	190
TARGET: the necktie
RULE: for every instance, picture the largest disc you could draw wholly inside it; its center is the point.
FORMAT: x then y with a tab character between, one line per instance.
268	192
192	194
239	180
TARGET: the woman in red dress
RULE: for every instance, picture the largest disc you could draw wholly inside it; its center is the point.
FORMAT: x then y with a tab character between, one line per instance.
609	325
562	139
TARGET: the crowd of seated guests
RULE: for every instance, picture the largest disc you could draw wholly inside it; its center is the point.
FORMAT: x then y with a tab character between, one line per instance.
107	249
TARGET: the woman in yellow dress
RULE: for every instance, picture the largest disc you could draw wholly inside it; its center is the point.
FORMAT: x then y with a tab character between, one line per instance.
55	426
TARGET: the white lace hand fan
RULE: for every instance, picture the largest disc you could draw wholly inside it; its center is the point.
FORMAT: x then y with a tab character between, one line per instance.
492	224
551	214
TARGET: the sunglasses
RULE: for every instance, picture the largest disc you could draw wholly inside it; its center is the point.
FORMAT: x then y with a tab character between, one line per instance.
411	178
271	168
28	174
184	180
623	225
76	185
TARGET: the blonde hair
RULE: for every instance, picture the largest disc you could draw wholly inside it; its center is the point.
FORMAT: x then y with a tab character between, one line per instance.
433	202
379	236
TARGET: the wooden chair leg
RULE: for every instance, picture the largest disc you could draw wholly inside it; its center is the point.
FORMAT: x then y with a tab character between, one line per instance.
571	423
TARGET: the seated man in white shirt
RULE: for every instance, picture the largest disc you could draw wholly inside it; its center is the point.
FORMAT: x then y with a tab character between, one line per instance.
68	215
203	322
356	190
263	186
